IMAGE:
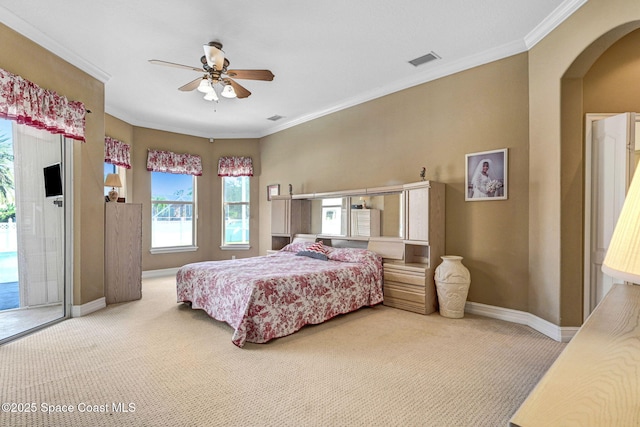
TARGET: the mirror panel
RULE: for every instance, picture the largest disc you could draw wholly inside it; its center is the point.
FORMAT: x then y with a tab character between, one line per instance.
330	215
391	215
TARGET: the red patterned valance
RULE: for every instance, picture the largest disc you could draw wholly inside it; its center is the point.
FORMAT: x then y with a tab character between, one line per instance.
29	104
166	161
117	152
235	166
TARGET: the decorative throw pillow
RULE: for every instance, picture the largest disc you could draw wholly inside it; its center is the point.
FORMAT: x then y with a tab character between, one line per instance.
297	246
317	250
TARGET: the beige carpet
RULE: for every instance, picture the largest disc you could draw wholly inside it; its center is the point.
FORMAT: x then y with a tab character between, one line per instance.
169	365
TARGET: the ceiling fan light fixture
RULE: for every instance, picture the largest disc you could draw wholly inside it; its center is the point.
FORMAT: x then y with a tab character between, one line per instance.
205	86
211	96
228	92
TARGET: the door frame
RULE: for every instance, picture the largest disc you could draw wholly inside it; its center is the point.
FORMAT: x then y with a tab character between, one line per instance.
67	155
590	118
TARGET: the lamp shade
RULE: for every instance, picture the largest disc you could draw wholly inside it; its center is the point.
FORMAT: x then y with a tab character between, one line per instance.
623	255
228	92
211	96
205	86
112	180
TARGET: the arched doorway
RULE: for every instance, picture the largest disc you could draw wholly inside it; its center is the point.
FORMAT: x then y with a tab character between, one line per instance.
594	83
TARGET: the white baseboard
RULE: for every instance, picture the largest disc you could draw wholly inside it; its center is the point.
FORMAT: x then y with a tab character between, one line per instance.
100	303
160	273
558	333
90	307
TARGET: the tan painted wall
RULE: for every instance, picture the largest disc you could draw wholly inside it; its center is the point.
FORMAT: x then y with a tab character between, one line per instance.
387	141
21	56
208	189
555	252
612	84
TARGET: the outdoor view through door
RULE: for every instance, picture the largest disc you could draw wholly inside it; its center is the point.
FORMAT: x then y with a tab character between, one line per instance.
32	234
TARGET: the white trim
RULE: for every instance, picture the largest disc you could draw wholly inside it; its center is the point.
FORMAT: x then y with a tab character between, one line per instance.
557	17
160	273
590	118
558	333
90	307
67	162
235	248
446	68
173	249
29	31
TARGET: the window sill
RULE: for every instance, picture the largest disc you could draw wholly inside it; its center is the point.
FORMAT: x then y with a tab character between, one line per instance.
235	248
173	249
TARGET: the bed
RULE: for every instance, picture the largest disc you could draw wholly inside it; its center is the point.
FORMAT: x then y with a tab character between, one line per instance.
272	296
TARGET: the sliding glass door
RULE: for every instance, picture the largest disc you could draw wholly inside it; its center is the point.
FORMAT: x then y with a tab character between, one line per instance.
33	292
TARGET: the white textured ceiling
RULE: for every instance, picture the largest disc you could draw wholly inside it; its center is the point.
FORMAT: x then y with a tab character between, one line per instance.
326	55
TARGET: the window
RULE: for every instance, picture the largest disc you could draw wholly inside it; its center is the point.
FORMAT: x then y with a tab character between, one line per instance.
172	208
235	211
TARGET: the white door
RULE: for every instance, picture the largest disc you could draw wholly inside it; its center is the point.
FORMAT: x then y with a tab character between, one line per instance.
612	142
40	217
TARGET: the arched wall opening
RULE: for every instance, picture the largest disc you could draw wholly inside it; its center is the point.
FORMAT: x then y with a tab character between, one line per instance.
580	86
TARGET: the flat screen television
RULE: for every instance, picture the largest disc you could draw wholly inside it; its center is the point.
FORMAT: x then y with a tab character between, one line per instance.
52	180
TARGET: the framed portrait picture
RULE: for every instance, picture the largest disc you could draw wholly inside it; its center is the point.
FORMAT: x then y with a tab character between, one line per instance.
273	190
486	175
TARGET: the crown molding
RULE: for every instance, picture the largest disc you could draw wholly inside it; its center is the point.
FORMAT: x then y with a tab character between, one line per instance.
27	30
557	17
133	121
437	70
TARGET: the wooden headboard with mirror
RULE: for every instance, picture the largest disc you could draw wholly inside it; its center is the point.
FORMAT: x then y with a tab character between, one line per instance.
404	224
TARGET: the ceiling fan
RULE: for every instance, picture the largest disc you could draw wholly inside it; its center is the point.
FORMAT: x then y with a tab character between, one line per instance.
215	66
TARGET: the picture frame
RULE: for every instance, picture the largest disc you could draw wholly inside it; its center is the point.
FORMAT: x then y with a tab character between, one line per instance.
273	190
486	184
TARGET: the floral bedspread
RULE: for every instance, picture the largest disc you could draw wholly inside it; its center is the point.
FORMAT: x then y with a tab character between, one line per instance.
273	296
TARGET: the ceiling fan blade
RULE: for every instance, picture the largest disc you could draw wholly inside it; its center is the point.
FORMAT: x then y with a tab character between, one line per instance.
251	74
191	85
171	64
241	92
214	55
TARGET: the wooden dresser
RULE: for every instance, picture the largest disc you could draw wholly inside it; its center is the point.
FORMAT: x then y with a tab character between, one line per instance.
365	222
596	379
122	252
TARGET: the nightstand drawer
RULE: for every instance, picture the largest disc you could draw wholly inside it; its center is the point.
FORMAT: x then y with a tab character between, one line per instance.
404	291
405	297
404	277
409	286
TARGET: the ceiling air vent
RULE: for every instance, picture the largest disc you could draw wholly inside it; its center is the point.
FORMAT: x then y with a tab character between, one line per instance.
424	59
274	118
